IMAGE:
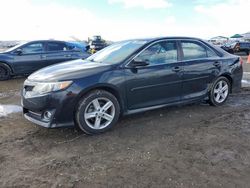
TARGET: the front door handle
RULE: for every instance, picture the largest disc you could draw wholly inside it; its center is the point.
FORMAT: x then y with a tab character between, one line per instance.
176	69
68	55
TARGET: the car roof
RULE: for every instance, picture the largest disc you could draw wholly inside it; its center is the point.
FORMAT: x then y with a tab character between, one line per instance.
45	41
176	37
138	39
163	38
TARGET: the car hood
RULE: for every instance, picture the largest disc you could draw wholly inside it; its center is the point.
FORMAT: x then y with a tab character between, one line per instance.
4	56
2	53
68	71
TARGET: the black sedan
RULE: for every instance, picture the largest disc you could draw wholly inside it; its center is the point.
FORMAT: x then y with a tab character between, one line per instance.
129	77
236	47
29	57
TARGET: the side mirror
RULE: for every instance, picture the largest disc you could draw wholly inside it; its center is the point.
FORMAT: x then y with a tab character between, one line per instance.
87	48
18	51
139	63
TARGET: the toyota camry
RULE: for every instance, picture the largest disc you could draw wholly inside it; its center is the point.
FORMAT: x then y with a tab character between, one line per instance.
129	77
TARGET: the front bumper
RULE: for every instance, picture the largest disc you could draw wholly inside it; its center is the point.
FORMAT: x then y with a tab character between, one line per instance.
60	105
37	121
40	122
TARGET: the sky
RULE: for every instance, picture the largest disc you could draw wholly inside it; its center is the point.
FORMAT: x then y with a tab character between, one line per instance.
122	19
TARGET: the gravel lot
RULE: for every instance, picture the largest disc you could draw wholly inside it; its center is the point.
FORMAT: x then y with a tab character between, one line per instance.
186	146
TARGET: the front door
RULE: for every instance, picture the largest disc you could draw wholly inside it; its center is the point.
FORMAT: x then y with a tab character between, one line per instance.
30	58
157	83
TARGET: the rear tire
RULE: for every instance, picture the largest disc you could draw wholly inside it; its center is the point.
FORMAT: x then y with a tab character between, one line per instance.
5	72
220	91
97	112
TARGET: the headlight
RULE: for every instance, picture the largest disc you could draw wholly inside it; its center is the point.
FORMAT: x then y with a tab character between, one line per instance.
40	88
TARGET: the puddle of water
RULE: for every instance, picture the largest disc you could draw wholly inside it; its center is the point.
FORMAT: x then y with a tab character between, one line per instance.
5	110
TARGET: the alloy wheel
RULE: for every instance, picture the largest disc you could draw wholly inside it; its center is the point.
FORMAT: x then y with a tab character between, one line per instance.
221	91
99	113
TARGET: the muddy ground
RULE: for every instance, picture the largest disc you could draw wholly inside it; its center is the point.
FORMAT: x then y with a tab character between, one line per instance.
186	146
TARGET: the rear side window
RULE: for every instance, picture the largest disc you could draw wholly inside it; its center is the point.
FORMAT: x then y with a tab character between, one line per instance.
56	46
193	50
71	46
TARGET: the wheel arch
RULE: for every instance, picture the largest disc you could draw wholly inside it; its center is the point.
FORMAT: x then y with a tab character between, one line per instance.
8	65
106	87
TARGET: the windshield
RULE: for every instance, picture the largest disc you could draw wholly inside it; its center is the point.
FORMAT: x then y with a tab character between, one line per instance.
117	52
15	47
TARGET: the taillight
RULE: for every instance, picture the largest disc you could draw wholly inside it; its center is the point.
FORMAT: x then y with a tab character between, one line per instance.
241	61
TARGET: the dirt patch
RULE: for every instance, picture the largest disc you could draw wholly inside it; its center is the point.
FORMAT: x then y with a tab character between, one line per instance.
187	146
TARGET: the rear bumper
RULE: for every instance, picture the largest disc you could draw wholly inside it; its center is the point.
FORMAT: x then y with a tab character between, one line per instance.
237	80
237	87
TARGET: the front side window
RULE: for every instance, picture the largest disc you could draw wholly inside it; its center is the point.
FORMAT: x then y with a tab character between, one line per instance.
160	53
193	50
33	48
56	46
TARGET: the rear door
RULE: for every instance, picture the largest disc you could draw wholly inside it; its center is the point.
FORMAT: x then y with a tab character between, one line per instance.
57	52
157	83
30	59
201	65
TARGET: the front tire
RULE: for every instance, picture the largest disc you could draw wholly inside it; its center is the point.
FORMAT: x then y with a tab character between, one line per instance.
4	72
219	92
97	112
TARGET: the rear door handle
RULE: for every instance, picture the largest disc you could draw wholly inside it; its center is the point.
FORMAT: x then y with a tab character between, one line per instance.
176	69
217	64
43	56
